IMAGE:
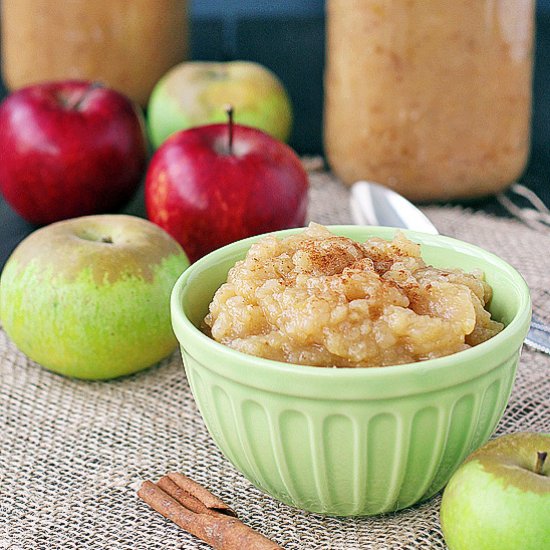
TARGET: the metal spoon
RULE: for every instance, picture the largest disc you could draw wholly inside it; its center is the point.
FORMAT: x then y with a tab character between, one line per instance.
374	204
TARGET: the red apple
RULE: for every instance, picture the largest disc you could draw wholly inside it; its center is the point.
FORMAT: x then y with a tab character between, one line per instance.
212	185
68	149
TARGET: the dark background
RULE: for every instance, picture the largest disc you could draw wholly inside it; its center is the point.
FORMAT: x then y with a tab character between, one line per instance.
288	37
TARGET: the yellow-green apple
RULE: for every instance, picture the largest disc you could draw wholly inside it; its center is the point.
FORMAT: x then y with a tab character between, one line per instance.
69	148
212	185
89	297
195	93
499	498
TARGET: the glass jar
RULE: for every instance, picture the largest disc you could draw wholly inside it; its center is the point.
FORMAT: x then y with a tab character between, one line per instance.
127	44
432	99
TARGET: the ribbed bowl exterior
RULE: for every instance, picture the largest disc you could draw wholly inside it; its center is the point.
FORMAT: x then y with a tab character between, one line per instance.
350	457
347	441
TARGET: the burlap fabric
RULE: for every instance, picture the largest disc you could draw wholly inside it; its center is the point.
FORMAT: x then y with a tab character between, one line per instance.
72	453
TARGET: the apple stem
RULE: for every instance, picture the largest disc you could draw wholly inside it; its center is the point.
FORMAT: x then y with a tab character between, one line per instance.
76	105
229	111
541	457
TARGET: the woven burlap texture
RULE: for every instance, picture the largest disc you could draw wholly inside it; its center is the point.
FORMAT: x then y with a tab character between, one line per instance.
72	453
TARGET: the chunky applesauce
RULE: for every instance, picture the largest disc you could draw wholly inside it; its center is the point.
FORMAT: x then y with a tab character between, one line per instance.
319	299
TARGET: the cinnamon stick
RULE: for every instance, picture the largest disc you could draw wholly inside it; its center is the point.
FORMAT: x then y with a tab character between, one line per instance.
214	526
202	494
183	497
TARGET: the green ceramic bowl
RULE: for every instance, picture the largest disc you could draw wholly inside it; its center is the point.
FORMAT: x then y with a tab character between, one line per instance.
352	441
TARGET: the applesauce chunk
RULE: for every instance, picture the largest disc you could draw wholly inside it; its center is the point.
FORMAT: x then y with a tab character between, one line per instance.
319	299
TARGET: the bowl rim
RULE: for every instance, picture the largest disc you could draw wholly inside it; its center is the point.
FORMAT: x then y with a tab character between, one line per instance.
501	346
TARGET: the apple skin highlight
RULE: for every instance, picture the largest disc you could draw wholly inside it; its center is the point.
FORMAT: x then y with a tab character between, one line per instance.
496	501
88	308
206	194
69	148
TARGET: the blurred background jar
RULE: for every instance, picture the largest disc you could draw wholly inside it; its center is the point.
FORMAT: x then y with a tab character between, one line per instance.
432	99
126	44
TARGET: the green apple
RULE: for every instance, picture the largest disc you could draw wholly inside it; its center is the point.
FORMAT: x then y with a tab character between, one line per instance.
89	297
499	498
196	93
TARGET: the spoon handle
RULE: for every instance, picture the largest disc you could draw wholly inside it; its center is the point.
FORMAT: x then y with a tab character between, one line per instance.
538	336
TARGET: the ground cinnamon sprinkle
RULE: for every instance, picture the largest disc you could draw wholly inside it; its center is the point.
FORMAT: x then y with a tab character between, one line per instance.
319	299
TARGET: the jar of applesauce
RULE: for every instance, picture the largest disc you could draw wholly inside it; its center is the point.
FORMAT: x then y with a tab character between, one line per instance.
430	98
126	44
